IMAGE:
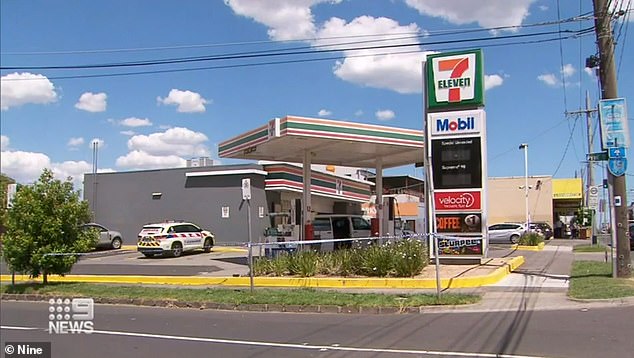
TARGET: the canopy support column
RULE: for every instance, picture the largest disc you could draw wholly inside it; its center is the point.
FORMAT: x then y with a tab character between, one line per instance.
379	194
307	225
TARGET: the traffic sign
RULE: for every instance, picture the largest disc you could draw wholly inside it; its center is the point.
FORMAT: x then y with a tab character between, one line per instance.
246	189
593	197
616	152
617	166
597	157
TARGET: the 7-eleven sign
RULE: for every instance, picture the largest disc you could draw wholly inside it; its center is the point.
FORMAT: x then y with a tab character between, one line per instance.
455	80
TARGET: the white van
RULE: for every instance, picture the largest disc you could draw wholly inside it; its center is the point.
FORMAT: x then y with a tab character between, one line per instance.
340	226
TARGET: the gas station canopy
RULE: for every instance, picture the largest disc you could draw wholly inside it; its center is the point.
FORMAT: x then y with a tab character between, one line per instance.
329	142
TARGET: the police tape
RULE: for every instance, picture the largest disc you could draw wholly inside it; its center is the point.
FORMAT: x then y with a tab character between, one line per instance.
444	241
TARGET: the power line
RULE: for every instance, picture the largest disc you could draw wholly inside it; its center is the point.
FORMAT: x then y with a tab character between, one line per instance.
579	18
271	53
572	131
306	60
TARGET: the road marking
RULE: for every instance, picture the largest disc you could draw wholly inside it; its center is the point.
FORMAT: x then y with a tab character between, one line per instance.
294	345
16	328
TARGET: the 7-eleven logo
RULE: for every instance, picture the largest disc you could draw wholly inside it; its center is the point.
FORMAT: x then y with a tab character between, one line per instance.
454	77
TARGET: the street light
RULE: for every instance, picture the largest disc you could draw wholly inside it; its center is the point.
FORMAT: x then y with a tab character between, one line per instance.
525	147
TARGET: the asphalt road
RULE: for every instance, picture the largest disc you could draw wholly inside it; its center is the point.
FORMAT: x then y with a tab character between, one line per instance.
133	263
125	331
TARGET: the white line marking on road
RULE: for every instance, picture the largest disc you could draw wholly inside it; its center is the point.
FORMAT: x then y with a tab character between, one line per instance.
16	328
293	345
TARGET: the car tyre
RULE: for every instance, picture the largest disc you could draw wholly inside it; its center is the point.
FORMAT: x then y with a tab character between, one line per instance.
177	249
116	243
515	239
209	243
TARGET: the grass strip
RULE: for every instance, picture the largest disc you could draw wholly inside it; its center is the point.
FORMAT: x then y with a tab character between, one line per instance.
593	280
590	248
302	297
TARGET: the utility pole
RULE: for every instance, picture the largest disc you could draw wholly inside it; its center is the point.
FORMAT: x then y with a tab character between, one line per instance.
607	76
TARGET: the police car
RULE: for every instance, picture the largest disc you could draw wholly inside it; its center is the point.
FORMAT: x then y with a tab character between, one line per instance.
173	238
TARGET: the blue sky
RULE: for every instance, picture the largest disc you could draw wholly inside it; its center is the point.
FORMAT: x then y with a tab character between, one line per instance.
50	117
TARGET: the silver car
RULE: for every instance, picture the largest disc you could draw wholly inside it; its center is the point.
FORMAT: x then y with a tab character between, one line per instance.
107	238
506	233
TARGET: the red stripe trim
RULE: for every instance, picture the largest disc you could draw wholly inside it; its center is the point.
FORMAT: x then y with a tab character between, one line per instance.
360	138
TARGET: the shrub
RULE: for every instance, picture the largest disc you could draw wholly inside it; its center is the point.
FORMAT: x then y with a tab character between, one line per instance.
376	261
262	266
303	263
405	258
279	265
410	257
531	239
346	262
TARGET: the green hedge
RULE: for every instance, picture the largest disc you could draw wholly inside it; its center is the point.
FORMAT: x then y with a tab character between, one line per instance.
403	258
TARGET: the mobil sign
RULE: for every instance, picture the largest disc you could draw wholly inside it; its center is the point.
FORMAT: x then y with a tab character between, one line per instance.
455	79
455	122
458	201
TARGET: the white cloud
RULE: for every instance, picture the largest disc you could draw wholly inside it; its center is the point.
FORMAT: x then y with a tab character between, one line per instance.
75	170
92	102
358	113
543	7
286	20
553	80
100	143
164	149
128	133
549	79
138	159
24	167
590	71
385	114
17	89
324	113
293	19
174	141
568	70
4	142
135	122
398	72
492	81
487	13
187	101
75	142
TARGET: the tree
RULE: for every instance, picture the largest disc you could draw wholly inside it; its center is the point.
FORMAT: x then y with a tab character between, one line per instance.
45	219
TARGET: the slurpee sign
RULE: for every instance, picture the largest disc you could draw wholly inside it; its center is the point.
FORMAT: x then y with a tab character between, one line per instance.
455	80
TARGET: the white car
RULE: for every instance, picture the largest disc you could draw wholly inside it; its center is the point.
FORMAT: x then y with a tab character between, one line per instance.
173	238
506	233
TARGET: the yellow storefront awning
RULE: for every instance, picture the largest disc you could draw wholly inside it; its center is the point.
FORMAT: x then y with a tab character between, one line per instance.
567	188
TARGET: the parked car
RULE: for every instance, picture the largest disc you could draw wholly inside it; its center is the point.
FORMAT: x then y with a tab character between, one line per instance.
542	228
506	233
631	235
173	237
107	238
340	226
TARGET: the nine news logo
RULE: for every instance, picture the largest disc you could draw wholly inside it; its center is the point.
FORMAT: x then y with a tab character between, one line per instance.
71	315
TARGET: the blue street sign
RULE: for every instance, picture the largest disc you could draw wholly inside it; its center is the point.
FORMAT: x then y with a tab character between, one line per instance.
617	166
616	152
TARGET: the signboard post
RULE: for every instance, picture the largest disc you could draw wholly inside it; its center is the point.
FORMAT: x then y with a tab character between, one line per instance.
246	195
456	154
